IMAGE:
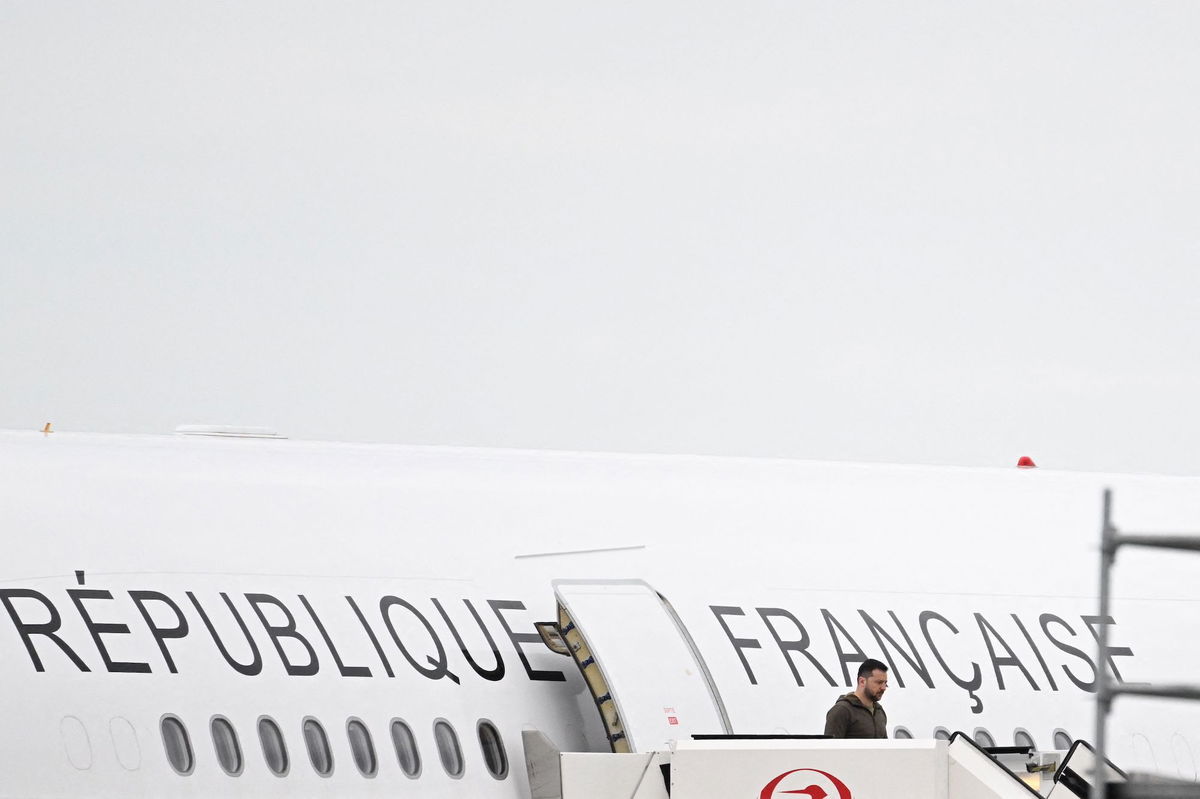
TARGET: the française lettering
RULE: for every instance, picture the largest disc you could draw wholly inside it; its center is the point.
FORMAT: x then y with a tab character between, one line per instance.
921	646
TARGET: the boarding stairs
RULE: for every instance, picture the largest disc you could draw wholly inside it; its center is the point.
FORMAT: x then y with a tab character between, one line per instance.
766	767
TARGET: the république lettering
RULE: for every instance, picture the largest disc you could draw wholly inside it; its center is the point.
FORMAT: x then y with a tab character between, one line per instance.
386	623
1011	648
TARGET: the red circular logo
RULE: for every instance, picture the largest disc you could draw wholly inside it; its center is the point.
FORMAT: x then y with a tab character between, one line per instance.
813	790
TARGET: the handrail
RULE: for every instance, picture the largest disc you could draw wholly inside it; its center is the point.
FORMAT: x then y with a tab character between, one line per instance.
754	736
1077	743
1161	691
1007	750
1157	541
1154	790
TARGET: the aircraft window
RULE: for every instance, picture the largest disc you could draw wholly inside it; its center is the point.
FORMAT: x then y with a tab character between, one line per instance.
78	745
362	748
225	741
903	733
1185	763
274	749
494	755
1023	738
178	745
448	749
941	734
318	747
125	743
1062	739
983	737
406	749
1143	752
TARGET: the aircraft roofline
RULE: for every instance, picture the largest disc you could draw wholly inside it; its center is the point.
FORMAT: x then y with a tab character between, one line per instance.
569	455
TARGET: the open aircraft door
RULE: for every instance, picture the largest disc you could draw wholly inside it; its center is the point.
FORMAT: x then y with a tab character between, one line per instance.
650	683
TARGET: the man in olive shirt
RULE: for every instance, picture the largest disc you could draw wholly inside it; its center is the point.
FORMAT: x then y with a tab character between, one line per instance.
858	714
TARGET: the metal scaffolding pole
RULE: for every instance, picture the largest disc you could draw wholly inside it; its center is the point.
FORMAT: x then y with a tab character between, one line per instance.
1106	691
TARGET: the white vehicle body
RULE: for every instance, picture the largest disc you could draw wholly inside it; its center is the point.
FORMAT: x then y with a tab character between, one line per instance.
381	583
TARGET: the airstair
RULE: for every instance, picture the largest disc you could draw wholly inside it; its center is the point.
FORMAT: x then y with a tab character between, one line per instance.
670	736
765	767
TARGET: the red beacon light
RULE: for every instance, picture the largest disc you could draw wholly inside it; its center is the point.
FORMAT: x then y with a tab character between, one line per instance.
1026	462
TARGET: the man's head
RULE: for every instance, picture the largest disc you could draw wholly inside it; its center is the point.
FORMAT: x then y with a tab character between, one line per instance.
872	680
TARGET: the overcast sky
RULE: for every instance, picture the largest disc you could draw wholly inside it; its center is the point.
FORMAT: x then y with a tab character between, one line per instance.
933	232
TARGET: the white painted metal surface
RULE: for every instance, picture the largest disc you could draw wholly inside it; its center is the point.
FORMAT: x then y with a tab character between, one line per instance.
1080	765
974	775
783	768
612	776
822	768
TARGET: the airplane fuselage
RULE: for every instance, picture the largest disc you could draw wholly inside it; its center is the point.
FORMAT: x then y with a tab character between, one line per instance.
186	617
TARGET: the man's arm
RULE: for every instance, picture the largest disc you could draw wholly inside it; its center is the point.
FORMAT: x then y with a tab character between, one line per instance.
837	721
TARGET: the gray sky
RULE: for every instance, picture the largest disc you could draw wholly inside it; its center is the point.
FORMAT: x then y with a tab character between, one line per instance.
937	232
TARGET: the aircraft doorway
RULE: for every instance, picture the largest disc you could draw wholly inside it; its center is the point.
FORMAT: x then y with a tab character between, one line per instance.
649	681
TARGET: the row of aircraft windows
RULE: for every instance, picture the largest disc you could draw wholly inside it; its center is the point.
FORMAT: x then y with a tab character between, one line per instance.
178	744
1021	737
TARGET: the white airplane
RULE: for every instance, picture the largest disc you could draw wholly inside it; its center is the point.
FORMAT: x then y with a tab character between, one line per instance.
196	616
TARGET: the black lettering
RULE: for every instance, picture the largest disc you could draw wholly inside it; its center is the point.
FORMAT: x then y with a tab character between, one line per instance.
387	667
1093	624
517	639
970	686
911	655
788	647
493	674
989	635
249	669
343	669
438	666
96	630
844	658
721	611
1045	620
287	630
48	629
161	634
1037	653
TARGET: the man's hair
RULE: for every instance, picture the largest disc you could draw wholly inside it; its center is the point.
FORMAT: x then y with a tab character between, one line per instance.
869	665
